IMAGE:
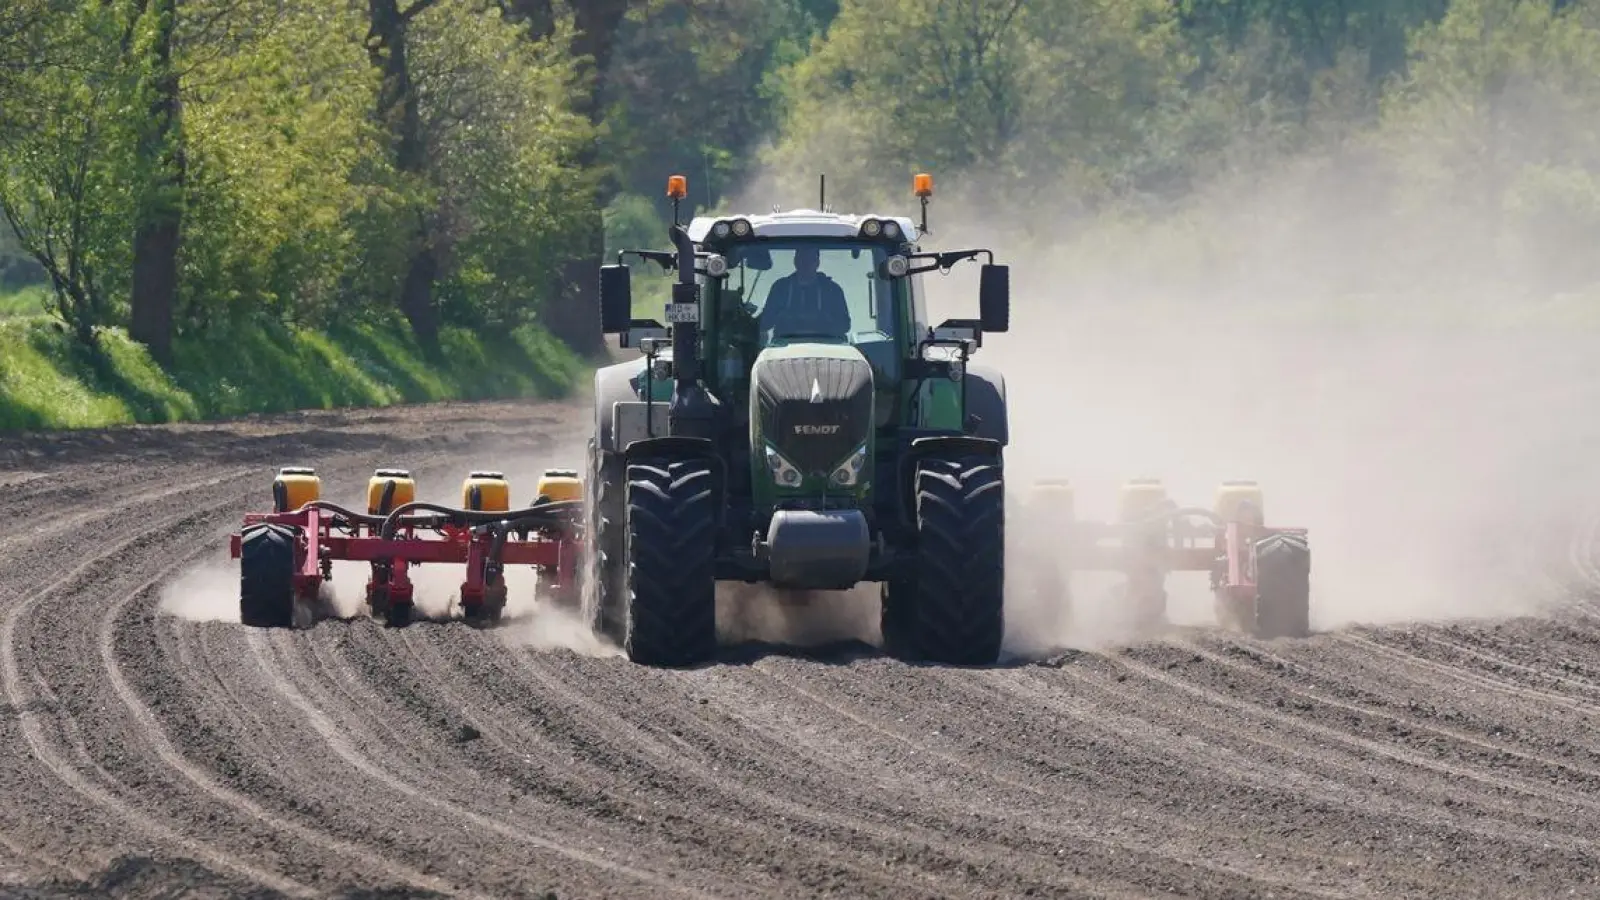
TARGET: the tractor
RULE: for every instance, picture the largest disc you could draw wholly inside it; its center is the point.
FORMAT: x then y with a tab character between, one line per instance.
798	423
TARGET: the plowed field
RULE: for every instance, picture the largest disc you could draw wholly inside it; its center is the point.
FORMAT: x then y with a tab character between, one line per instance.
149	746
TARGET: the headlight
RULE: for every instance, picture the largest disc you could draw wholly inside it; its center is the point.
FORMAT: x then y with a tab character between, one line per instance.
891	230
849	471
741	227
783	471
897	266
716	265
721	229
871	227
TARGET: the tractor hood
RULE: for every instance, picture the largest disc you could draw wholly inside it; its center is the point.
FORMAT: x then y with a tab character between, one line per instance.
813	403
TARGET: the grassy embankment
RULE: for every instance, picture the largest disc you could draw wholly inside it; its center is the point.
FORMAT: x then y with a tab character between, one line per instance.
48	381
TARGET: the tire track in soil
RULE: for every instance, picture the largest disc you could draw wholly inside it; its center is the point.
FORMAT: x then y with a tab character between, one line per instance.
617	756
1315	688
74	765
1433	816
1128	772
153	733
590	779
663	761
280	662
1562	855
1115	765
1405	758
1455	665
876	809
1034	791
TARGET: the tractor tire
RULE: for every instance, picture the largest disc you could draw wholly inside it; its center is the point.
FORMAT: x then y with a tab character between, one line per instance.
1283	587
951	608
266	576
671	550
604	596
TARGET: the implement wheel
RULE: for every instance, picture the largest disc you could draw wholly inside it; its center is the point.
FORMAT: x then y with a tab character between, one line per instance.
266	576
1283	587
951	608
671	545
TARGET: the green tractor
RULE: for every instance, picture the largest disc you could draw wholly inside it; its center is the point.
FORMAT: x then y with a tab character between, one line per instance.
798	423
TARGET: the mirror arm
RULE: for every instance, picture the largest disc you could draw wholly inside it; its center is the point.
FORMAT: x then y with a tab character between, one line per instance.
664	258
946	260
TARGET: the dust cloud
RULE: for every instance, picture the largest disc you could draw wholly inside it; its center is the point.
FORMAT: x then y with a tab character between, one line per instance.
206	593
1404	371
1385	397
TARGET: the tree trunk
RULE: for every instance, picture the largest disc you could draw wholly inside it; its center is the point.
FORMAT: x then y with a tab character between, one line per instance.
159	226
416	296
574	317
399	111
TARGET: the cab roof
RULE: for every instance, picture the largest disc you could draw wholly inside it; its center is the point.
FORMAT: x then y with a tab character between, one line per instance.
801	223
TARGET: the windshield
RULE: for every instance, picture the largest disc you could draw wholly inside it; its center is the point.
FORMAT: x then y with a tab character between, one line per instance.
814	290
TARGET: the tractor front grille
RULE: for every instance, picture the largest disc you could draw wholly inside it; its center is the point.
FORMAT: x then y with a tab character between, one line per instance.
814	410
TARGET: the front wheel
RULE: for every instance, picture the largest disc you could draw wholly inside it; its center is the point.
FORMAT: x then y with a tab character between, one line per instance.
951	608
671	550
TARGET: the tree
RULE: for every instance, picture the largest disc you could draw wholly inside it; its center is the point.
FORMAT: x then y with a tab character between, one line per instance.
65	167
1011	97
399	111
158	223
575	318
1495	118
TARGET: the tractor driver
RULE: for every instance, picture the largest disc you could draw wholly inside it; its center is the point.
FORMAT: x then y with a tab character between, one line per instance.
805	302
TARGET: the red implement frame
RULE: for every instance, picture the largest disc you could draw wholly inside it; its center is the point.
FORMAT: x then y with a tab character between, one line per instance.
552	551
1227	551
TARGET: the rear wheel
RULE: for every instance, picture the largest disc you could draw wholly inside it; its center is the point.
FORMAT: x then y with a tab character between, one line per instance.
1283	587
266	576
671	548
605	565
951	608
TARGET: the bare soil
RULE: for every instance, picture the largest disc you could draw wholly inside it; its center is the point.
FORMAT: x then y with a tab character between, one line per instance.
151	747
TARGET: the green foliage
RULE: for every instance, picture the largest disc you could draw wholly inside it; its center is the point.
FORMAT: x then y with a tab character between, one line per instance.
1497	121
279	147
48	380
695	92
1387	149
979	87
66	168
28	301
498	112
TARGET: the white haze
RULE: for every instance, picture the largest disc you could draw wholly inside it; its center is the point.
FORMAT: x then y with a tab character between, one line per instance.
1362	360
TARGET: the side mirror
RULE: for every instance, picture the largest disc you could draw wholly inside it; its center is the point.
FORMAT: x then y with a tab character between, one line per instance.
616	299
994	298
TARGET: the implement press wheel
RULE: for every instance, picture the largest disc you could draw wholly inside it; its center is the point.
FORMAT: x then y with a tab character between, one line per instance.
1283	587
266	575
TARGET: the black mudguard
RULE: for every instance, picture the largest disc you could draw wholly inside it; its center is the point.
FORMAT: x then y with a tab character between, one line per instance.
941	445
612	385
986	404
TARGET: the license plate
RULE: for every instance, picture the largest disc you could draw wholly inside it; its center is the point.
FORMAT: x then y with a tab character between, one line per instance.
678	313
